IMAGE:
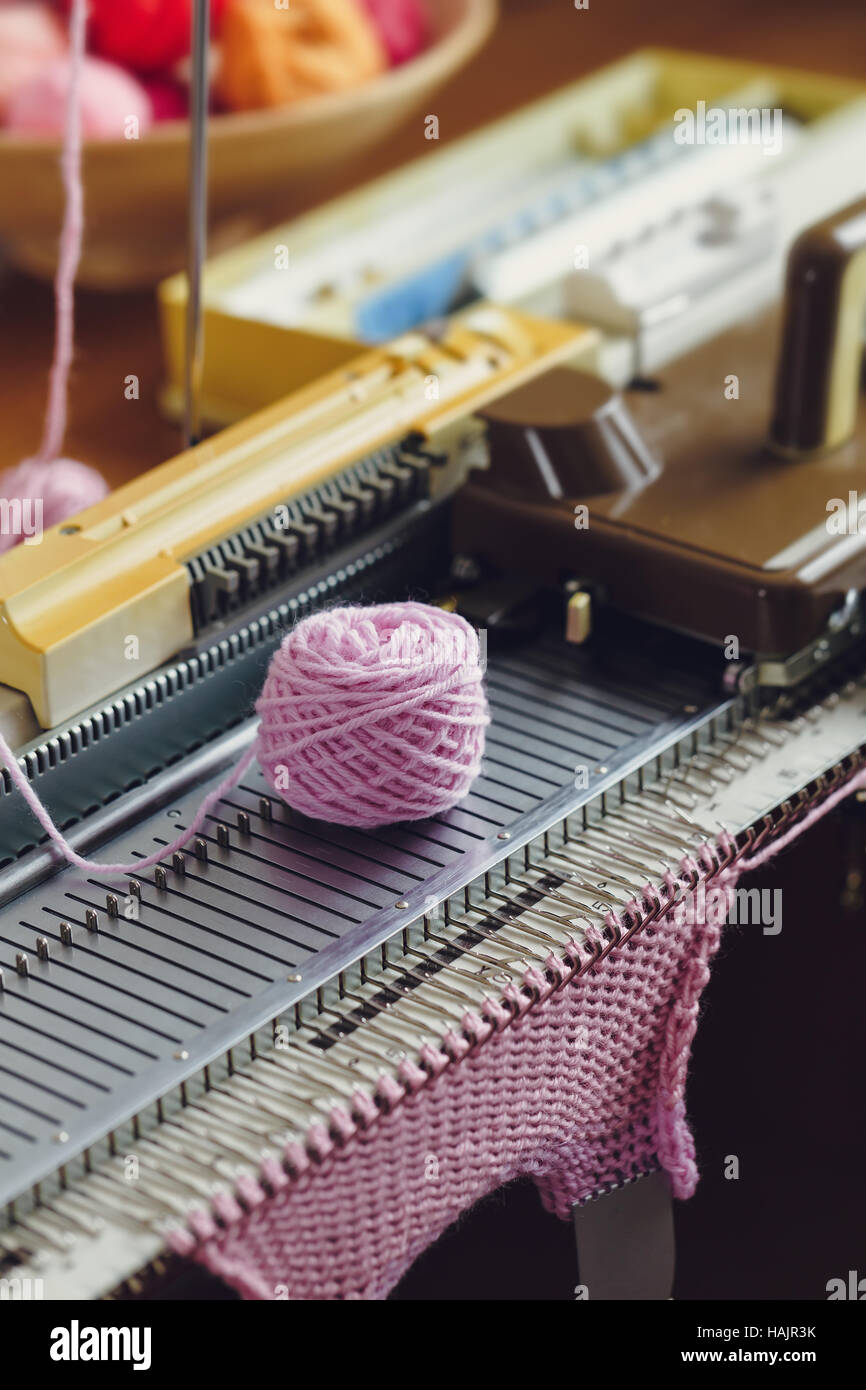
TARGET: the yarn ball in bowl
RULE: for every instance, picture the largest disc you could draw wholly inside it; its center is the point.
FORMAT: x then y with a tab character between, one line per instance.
30	36
48	493
402	24
370	716
109	98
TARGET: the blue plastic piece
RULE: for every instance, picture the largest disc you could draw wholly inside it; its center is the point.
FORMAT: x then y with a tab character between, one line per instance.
435	290
426	294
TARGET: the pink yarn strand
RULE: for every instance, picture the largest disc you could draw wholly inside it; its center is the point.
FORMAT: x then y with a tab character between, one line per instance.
54	428
93	866
853	784
62	486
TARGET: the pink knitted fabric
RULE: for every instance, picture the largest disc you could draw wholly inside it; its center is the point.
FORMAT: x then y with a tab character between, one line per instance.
374	715
577	1080
583	1089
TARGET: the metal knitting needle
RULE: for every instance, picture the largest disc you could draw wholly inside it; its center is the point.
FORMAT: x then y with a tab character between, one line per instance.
514	925
594	889
611	844
264	1102
214	1134
445	967
371	1028
197	222
611	827
43	1231
234	1111
630	814
270	1078
366	1053
396	985
497	963
218	1134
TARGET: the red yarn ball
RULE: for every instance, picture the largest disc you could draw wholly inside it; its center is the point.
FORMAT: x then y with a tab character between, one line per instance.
145	35
169	100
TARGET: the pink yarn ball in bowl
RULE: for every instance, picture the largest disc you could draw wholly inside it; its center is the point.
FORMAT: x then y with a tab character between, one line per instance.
48	493
374	715
109	96
403	26
30	36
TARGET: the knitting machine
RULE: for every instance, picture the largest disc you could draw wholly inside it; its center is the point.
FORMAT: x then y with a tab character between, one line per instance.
675	671
600	204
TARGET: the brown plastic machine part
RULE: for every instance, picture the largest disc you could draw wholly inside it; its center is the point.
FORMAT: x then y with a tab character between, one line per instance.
818	378
694	520
565	434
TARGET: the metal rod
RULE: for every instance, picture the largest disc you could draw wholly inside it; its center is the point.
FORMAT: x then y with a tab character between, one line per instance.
197	224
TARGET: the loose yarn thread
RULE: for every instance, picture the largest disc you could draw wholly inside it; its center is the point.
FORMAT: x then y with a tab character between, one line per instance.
64	486
70	245
368	716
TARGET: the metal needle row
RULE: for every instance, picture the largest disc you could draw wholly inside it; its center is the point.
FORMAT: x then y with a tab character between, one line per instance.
419	992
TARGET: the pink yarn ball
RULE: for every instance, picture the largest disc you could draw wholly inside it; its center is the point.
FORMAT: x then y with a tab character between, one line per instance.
374	715
48	493
109	96
30	36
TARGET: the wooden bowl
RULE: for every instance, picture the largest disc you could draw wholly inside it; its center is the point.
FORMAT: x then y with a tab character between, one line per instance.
136	190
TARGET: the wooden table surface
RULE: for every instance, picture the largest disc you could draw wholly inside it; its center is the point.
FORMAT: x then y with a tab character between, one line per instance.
538	46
